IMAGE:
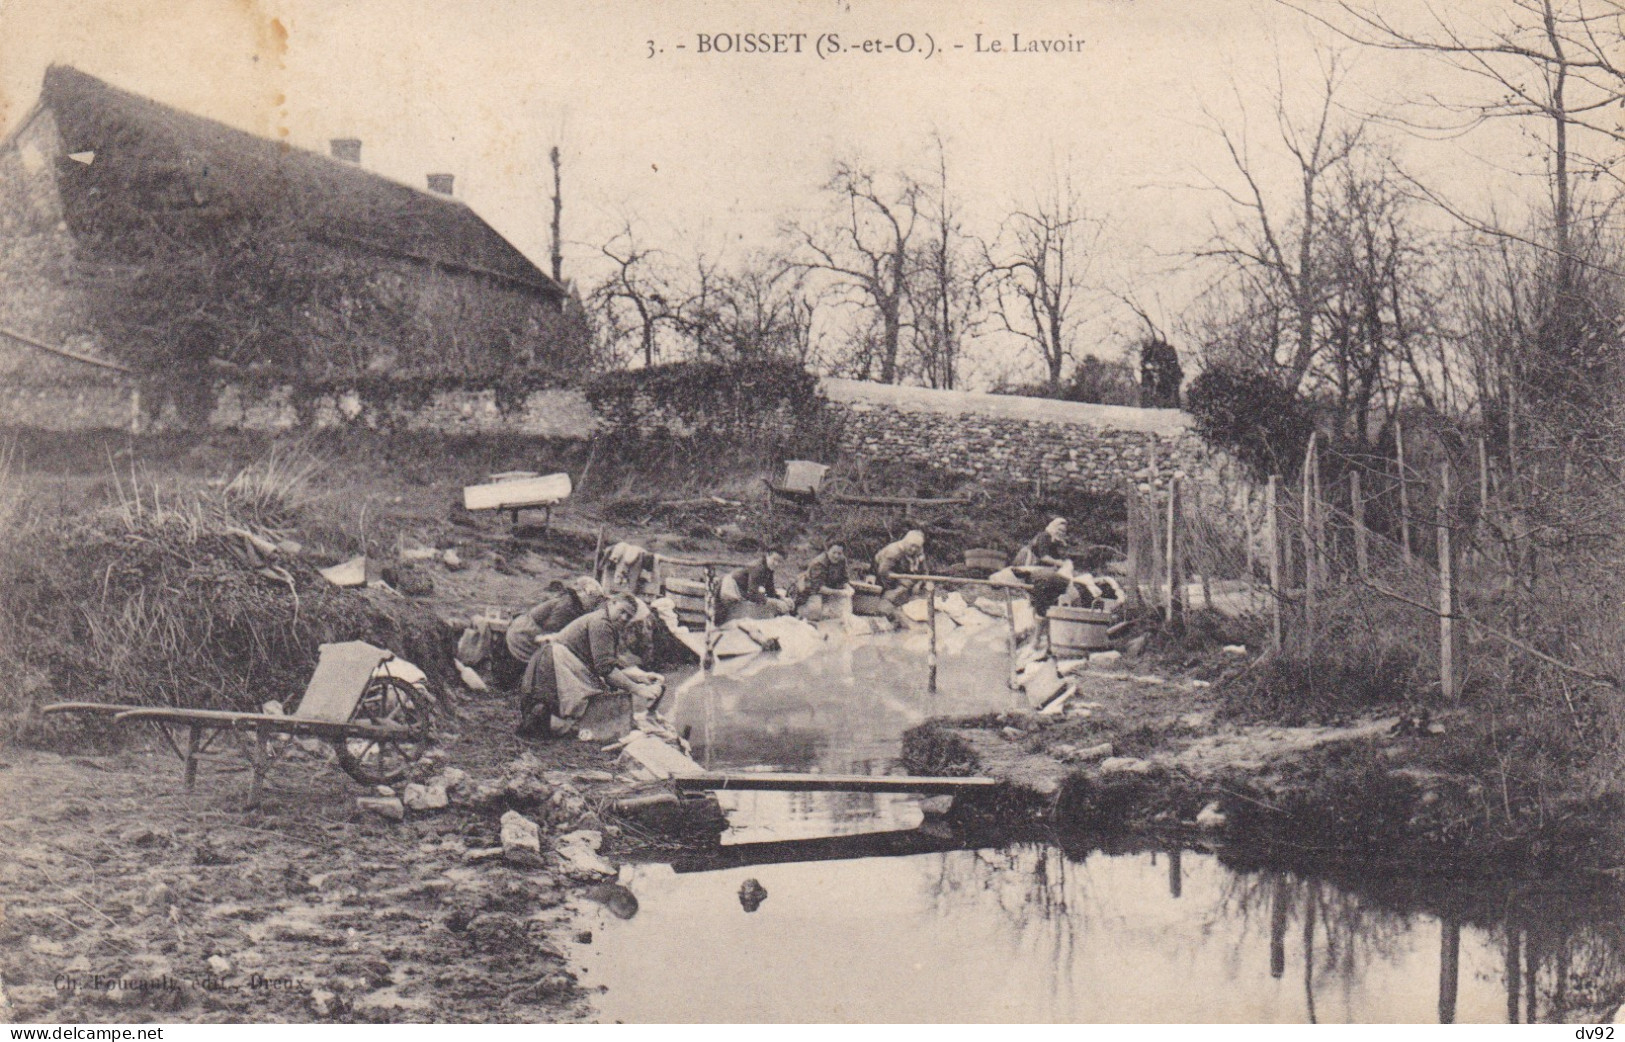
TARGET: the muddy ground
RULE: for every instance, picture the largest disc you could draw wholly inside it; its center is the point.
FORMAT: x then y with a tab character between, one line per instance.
125	898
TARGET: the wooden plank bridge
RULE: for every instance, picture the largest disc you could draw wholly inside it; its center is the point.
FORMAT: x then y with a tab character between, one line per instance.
784	782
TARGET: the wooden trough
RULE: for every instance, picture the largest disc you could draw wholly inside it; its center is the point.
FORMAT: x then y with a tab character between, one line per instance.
514	491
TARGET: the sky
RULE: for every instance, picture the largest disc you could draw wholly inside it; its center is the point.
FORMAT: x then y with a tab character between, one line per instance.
720	150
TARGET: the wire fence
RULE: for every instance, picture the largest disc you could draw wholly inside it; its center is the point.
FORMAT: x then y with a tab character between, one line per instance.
1408	564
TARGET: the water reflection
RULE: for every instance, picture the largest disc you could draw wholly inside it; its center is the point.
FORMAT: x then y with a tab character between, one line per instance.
842	710
875	923
1029	933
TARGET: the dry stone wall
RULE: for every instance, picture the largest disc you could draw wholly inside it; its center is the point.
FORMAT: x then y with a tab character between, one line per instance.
1095	448
994	438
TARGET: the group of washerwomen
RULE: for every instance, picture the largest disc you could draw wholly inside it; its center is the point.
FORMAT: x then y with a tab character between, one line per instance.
1042	563
581	640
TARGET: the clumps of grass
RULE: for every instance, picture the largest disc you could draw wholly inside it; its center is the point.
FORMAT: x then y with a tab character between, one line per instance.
158	600
273	489
1334	686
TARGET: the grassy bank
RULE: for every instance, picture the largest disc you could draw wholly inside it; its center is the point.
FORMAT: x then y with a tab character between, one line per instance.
1348	759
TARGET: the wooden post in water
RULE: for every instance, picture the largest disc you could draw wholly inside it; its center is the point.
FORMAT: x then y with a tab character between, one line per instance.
1404	496
1280	911
1272	535
709	658
1010	635
1513	973
931	618
1447	621
1362	553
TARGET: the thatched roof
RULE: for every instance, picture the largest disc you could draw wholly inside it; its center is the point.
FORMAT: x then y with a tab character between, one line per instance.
162	159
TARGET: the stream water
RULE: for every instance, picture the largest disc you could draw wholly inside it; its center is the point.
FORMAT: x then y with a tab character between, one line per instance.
887	922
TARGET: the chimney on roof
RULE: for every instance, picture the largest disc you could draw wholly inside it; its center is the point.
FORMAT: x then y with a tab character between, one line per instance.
441	183
347	149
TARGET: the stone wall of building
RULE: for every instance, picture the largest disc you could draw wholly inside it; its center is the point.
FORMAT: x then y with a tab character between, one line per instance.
563	413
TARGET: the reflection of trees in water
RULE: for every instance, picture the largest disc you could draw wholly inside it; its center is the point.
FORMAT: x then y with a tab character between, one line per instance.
1563	954
1558	969
1037	889
1342	933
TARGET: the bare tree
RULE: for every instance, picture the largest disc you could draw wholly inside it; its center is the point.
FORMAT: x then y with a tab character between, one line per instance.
1556	62
866	254
635	300
760	309
1037	273
1275	249
944	287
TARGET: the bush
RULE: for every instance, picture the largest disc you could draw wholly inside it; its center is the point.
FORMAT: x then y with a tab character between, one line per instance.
1252	417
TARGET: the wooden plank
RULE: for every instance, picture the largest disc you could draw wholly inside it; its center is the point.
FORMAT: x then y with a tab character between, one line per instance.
508	495
96	708
896	501
786	782
660	759
901	843
215	719
342	673
960	580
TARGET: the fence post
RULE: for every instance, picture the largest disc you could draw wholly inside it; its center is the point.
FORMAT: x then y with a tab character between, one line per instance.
1131	523
1311	552
1176	579
1206	548
1153	526
1273	533
1447	621
1480	530
931	618
1404	496
1318	515
1362	555
1247	526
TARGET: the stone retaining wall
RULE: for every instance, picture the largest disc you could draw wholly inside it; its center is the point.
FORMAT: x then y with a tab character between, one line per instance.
1003	438
1008	438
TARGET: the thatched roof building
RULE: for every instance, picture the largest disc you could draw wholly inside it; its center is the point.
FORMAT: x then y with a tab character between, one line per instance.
173	244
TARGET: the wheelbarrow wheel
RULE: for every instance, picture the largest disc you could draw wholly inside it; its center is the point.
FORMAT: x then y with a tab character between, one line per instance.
388	702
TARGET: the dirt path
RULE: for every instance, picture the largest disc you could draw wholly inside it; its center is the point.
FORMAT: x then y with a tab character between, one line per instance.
127	899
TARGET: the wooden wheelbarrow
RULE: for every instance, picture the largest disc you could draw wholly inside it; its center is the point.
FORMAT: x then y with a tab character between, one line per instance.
377	722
